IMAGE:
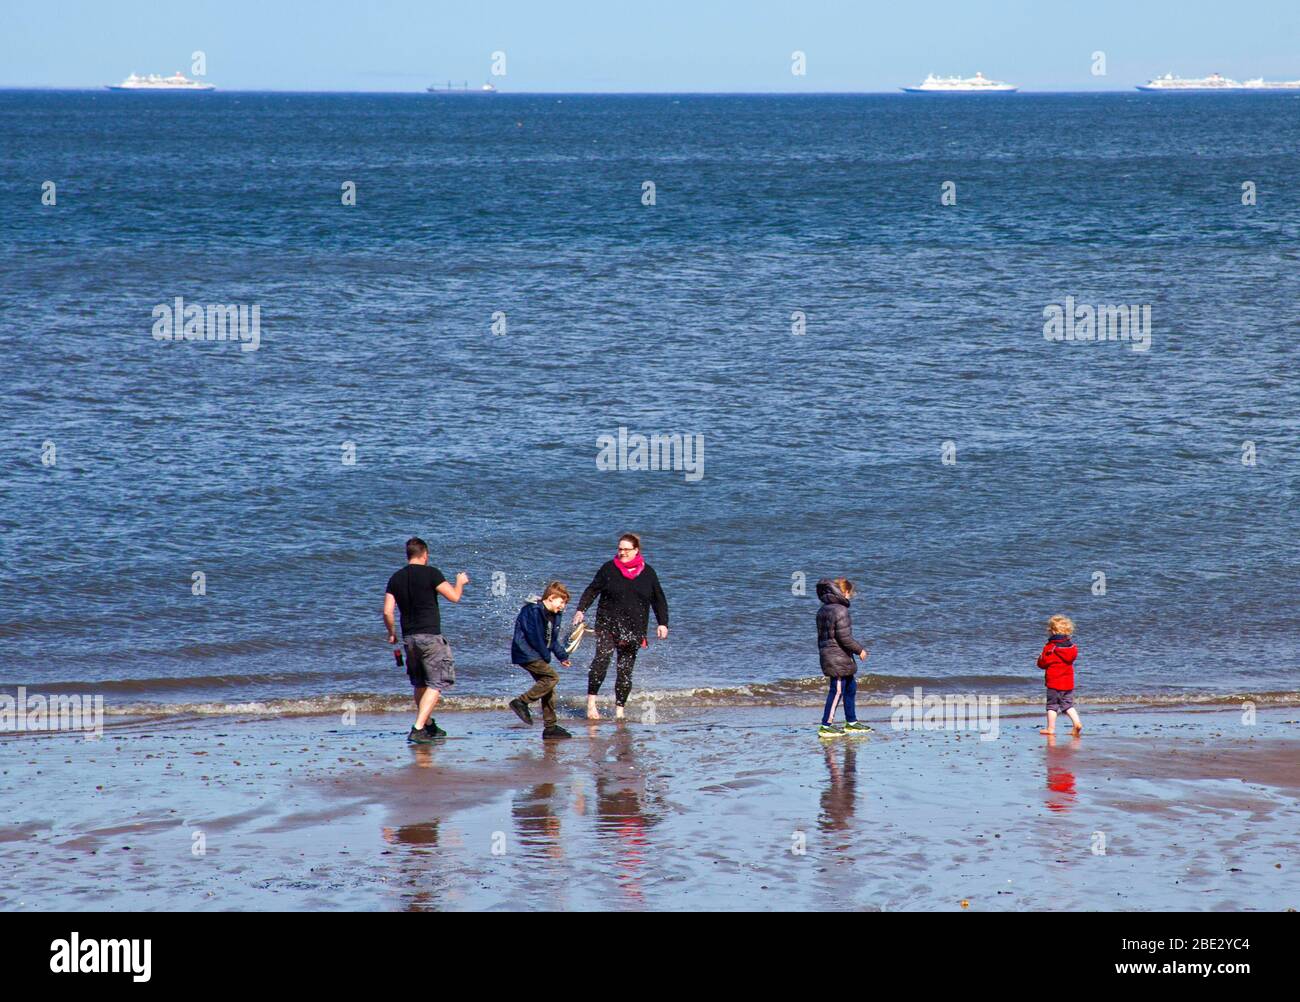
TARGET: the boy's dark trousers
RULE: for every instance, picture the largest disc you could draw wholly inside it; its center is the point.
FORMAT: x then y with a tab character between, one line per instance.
546	679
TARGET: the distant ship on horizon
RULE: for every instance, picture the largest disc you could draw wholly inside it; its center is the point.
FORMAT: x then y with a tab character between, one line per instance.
154	82
1214	82
487	88
978	84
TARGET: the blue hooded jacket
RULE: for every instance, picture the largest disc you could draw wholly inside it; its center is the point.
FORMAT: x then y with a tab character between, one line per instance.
537	635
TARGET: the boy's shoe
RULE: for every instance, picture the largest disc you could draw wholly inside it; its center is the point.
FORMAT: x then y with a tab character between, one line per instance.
556	731
433	730
856	725
419	737
829	731
521	710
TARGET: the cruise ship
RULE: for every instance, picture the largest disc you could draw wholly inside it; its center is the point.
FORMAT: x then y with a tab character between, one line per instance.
1259	83
487	88
978	84
1215	82
153	81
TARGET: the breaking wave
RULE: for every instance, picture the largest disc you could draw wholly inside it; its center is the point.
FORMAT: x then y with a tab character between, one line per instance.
878	690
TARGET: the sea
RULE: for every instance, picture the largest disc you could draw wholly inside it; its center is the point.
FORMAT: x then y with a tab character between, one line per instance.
858	333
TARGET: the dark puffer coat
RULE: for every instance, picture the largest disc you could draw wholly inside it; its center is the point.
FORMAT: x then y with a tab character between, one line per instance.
835	641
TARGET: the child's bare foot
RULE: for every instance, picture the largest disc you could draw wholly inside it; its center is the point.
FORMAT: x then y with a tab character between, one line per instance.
592	712
618	713
1047	730
1078	729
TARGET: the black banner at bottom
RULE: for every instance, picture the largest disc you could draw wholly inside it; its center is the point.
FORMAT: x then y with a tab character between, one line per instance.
409	950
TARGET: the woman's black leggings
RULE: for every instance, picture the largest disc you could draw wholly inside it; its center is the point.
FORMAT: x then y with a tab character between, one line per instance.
606	645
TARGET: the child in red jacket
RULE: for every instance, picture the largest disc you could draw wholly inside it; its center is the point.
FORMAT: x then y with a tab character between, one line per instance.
1057	662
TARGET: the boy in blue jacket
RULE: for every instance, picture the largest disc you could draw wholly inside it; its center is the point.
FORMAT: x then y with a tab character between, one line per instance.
537	637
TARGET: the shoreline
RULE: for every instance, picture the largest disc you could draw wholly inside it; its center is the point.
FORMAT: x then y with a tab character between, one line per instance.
121	705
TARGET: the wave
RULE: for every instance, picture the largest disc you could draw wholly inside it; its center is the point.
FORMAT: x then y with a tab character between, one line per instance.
875	690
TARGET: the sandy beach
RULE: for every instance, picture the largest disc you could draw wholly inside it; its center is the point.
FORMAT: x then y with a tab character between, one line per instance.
705	808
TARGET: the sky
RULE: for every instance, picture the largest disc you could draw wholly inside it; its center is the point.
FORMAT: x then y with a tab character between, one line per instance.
650	45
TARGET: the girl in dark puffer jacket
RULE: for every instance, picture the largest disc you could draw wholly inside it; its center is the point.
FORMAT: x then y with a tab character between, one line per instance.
837	649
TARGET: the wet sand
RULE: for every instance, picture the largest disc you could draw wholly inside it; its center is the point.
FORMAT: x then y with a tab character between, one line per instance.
739	808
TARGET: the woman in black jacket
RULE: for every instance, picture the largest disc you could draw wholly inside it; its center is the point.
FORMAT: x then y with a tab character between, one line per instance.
628	588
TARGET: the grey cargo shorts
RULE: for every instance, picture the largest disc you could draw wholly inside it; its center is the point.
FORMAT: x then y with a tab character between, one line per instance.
429	663
1060	700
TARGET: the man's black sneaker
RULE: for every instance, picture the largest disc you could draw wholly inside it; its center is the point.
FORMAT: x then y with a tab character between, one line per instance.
419	737
556	731
433	730
521	710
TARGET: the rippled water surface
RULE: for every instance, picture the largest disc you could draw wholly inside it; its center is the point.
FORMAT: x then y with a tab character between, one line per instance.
823	452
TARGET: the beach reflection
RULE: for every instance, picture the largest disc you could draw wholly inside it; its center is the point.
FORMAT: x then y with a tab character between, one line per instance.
537	822
621	814
420	884
423	835
840	793
419	879
1061	782
422	756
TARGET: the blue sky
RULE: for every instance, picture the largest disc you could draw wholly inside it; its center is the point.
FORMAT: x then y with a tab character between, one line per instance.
654	45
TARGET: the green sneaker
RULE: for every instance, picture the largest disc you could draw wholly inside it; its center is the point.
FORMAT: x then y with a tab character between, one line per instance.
829	731
856	725
419	737
433	730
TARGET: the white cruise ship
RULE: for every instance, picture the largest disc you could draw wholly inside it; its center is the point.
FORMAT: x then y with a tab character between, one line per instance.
1259	83
1214	82
978	84
154	82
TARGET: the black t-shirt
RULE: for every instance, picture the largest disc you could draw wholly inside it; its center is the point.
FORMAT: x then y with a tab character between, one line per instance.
415	587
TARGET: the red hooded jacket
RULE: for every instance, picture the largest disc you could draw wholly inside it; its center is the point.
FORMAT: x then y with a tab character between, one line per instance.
1057	660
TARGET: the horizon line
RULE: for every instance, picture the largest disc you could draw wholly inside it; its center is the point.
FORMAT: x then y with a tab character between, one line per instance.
90	88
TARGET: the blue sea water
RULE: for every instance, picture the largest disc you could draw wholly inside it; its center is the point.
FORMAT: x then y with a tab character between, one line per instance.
823	451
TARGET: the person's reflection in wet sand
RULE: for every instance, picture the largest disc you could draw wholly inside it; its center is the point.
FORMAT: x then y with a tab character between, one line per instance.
424	836
837	799
416	844
620	806
419	881
536	821
1061	784
422	756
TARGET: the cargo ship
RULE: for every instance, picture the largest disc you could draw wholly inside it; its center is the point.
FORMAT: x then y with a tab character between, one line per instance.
487	88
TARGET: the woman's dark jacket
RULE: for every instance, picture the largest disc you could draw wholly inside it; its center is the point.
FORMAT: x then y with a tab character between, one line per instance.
624	609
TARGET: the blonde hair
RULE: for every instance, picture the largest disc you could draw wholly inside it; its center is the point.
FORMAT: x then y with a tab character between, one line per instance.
555	588
844	585
1061	624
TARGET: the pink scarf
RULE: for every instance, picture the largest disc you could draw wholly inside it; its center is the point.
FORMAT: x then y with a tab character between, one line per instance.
632	568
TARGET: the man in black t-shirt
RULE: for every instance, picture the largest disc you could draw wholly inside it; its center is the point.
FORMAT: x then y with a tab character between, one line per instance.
414	590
